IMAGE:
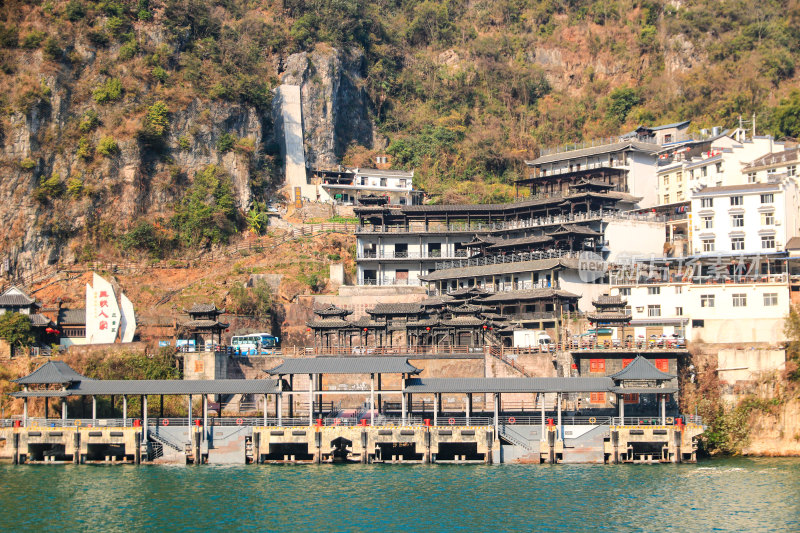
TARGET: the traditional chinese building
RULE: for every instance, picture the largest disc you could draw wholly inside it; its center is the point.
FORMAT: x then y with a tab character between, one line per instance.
204	324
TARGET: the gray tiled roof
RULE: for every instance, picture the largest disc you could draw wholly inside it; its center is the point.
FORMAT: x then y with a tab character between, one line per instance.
163	386
529	294
332	310
39	320
14	297
330	323
50	373
463	321
605	299
72	317
644	390
596	150
395	309
204	324
577	229
205	308
641	369
534	265
345	365
520	241
508	385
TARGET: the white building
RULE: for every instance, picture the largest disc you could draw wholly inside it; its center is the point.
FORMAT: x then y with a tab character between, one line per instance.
773	165
744	219
714	312
346	186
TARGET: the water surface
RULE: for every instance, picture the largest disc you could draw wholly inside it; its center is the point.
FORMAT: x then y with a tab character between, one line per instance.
725	495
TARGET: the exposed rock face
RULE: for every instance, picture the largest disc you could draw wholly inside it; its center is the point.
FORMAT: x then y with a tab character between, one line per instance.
335	105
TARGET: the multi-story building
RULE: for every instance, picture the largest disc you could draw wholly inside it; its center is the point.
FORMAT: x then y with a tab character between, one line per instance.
773	165
744	219
349	185
709	308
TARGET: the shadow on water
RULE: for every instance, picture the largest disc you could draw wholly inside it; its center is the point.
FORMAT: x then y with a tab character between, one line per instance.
727	494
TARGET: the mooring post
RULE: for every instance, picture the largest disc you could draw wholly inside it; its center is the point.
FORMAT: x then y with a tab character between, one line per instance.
76	442
137	452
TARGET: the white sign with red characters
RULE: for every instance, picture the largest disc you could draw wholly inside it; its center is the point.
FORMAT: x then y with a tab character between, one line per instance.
102	312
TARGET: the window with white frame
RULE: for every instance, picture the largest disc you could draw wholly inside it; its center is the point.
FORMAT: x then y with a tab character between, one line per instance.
708	245
653	310
737	200
740	300
767	198
704	171
707	222
719	168
706	202
706	300
737	243
768	218
678	289
770	299
680	196
791	170
653	290
666	198
737	221
767	242
625	291
751	177
666	180
679	311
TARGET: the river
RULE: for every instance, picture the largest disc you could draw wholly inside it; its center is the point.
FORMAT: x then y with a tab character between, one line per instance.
723	494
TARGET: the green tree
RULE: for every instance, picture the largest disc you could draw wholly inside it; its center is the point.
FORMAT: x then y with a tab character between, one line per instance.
620	102
16	329
207	214
255	301
156	122
791	329
108	146
108	91
786	116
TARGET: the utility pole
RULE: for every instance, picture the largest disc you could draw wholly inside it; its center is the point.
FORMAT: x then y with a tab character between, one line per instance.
754	125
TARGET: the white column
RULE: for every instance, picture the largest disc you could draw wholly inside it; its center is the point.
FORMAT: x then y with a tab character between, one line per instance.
403	400
144	418
94	411
25	412
63	408
279	400
663	409
372	399
205	414
435	409
125	410
310	399
621	400
467	410
190	413
496	413
541	398
560	429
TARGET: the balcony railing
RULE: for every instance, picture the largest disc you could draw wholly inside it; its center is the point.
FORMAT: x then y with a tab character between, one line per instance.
623	280
413	255
389	281
507	258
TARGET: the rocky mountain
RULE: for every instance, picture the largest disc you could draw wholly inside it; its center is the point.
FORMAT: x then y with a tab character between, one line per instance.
112	109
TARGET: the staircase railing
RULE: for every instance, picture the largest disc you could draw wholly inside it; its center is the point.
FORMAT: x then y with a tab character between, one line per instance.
515	437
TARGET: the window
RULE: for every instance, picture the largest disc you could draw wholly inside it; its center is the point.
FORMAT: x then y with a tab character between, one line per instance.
707	222
708	245
770	299
666	180
740	300
662	364
737	243
706	300
737	221
383	182
751	177
402	184
704	172
768	218
680	196
653	310
706	202
767	198
631	398
626	291
679	311
626	362
719	168
791	170
767	242
597	397
653	290
679	177
666	198
363	181
736	200
678	289
597	365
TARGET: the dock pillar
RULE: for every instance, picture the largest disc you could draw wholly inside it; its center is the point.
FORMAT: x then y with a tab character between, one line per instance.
551	444
678	438
76	443
257	448
560	429
403	408
205	416
372	400
496	415
663	409
310	399
435	409
63	408
196	443
364	443
426	457
124	410
15	451
144	419
489	447
137	452
615	443
94	411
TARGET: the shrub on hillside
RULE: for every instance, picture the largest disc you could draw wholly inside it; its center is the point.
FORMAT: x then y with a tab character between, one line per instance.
207	214
108	91
108	146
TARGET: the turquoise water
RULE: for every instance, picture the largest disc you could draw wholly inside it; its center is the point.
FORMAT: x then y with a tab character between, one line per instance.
728	495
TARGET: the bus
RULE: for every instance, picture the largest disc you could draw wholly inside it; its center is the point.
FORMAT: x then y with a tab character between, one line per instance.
254	343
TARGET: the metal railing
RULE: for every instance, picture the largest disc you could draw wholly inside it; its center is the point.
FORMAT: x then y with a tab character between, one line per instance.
722	279
507	258
412	255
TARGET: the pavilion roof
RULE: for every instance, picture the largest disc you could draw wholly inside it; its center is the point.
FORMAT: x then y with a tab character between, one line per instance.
641	369
52	372
345	365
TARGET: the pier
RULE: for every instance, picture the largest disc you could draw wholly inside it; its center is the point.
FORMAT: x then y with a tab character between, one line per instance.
392	426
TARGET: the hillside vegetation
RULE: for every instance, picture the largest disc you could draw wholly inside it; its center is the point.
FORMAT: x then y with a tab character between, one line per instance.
111	108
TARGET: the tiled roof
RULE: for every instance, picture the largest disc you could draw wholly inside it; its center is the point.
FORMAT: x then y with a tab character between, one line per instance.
205	308
641	369
345	365
163	386
332	310
529	294
567	229
534	265
465	308
467	291
596	150
606	299
14	297
329	323
792	154
395	309
520	241
204	324
436	301
51	372
464	321
71	317
508	385
615	317
39	320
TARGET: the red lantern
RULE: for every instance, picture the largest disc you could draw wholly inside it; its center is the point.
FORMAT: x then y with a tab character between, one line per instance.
365	329
227	330
308	329
574	366
485	326
427	328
